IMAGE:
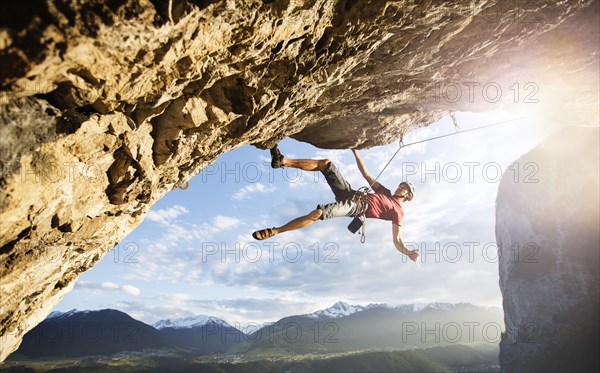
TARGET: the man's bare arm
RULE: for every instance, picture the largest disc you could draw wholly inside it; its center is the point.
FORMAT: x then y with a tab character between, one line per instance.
400	246
363	170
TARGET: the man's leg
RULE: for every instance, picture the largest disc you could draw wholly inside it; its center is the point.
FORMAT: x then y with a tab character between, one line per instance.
307	164
301	222
339	186
337	183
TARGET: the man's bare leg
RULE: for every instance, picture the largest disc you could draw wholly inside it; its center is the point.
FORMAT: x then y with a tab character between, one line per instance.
307	164
301	222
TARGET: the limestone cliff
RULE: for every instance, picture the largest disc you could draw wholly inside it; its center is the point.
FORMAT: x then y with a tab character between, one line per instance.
108	105
547	230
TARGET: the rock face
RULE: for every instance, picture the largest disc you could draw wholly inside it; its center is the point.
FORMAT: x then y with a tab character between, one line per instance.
108	105
547	229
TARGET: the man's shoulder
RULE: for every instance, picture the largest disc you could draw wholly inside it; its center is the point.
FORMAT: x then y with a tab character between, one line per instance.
382	189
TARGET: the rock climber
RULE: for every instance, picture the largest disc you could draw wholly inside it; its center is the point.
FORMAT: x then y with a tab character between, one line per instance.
381	204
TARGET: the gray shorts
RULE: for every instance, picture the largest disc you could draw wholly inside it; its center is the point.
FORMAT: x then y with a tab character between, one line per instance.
344	194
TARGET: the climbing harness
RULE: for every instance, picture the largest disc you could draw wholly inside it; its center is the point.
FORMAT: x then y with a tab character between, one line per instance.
360	221
361	194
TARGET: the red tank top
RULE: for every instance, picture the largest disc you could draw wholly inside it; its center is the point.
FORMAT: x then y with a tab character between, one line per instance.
382	205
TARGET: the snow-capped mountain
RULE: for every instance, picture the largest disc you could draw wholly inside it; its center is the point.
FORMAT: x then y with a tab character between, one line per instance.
253	327
60	314
337	310
115	332
54	314
190	322
418	307
341	309
205	334
379	326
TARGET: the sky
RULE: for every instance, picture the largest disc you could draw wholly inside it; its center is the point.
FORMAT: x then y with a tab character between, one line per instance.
194	253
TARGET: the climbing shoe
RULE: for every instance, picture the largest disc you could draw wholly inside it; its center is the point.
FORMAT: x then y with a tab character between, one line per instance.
276	158
263	234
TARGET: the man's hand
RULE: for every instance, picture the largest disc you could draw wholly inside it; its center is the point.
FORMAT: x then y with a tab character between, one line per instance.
400	246
413	255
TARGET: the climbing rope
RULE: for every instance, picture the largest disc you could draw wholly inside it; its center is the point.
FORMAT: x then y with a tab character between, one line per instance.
362	192
458	132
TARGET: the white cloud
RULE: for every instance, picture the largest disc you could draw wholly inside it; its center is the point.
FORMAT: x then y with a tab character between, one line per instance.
130	289
176	298
166	216
249	189
176	255
264	159
108	286
240	312
149	313
225	222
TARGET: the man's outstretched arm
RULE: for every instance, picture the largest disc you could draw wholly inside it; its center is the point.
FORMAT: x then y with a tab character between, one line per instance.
400	246
363	170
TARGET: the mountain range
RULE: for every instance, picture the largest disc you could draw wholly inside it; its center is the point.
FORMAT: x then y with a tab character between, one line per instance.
343	328
339	328
205	335
80	333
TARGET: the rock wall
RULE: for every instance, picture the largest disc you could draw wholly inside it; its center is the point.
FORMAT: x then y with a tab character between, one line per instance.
108	105
548	231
